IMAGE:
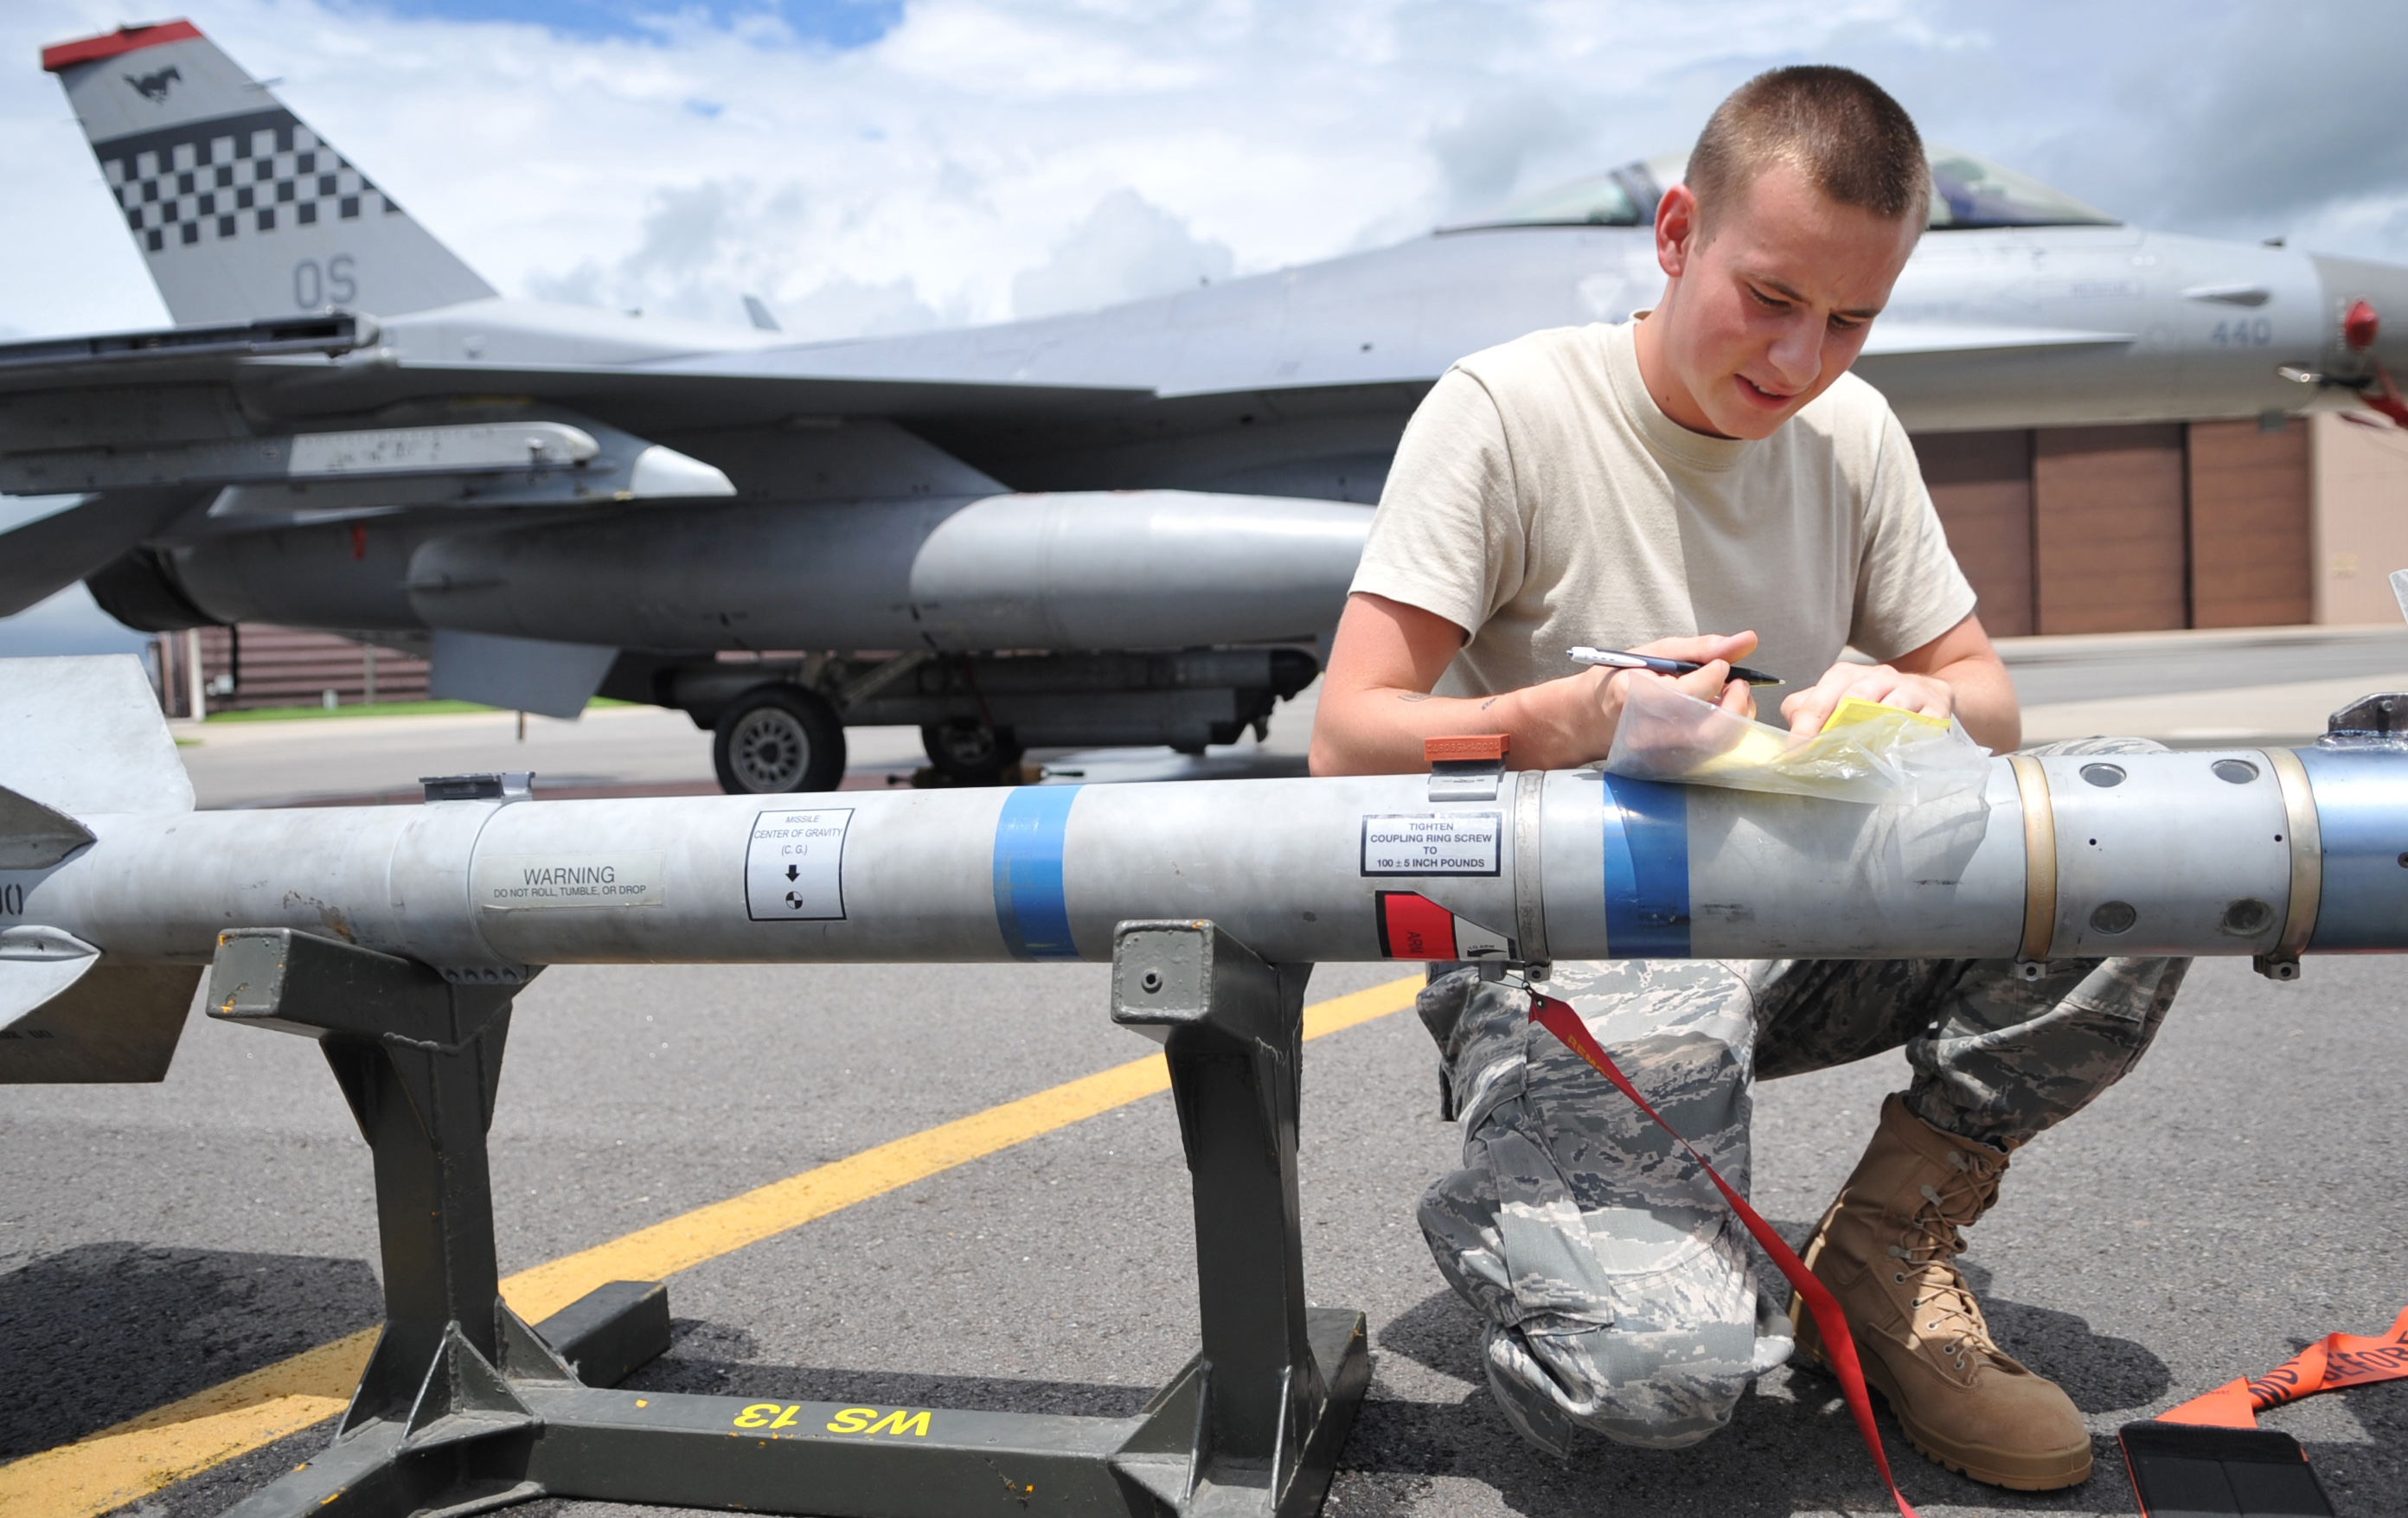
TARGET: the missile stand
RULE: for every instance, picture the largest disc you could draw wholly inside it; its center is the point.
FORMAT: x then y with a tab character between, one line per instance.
465	1409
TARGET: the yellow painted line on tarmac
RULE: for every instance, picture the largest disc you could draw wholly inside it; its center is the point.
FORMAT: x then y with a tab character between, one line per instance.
167	1444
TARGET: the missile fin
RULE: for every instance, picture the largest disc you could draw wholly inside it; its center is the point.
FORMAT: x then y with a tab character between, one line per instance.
33	837
37	965
83	736
97	1019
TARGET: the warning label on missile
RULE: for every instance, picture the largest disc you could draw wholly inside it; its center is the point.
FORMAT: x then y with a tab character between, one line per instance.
529	882
1432	843
794	868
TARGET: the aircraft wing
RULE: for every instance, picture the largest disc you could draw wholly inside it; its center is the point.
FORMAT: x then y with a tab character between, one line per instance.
667	399
174	354
119	416
316	364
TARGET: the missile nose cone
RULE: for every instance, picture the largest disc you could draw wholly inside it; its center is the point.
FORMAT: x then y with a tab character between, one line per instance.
2360	325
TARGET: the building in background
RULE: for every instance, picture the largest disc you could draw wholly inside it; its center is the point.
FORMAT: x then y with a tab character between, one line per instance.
2128	529
250	667
2359	471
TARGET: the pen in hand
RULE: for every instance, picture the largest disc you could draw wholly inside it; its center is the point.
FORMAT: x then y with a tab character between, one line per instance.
1616	659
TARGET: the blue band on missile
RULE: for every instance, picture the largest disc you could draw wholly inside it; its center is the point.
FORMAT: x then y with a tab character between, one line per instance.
1646	870
2364	903
1030	909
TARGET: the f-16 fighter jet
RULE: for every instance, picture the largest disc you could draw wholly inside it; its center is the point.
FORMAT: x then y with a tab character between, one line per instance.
1125	528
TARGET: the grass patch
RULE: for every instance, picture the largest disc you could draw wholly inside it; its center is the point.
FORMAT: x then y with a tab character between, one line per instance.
381	708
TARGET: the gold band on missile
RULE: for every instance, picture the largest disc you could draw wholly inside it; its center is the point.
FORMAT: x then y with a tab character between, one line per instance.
2039	858
2305	837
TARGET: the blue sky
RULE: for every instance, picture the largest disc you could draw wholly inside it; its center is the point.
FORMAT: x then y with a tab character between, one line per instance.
875	165
835	24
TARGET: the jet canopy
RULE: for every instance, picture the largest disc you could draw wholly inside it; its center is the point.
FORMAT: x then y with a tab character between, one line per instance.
1967	192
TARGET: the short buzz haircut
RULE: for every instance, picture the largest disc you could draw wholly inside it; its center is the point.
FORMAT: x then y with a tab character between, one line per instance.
1856	145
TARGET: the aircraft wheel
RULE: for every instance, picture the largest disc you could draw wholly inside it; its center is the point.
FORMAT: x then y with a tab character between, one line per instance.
971	753
777	738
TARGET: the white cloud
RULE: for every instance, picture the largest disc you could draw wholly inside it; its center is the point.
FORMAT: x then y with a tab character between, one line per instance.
971	153
846	308
1002	52
1483	154
1127	249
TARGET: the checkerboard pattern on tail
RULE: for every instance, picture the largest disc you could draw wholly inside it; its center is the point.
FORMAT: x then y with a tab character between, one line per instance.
243	176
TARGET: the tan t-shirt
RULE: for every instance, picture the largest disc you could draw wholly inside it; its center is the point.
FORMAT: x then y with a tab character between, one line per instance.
1540	500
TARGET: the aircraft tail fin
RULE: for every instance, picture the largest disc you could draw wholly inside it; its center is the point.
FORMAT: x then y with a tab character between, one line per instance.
241	211
80	737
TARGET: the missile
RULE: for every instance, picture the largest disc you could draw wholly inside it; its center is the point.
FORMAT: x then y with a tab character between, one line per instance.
2271	854
2175	853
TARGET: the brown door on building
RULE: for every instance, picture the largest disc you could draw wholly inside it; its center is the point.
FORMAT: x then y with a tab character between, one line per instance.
2110	552
2249	527
1982	484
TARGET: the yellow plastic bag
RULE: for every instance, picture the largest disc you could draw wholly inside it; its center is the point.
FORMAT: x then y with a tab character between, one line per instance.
1867	752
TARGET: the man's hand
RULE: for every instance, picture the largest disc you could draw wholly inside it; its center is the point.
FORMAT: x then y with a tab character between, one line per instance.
1713	684
1376	708
1810	708
1957	674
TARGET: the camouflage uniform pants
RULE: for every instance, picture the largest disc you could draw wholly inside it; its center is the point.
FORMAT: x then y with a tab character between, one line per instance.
1615	1284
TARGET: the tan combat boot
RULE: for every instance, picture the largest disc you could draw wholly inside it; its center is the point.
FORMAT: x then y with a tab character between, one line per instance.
1887	1249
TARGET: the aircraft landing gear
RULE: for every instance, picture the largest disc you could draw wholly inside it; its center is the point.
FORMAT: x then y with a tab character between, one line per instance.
970	752
775	738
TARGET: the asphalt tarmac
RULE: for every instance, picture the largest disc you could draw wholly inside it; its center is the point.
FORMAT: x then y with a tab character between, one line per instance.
2233	1200
2229	1202
2090	667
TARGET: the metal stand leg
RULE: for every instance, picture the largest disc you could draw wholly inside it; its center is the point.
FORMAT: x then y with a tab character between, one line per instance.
1268	1402
435	1422
465	1408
